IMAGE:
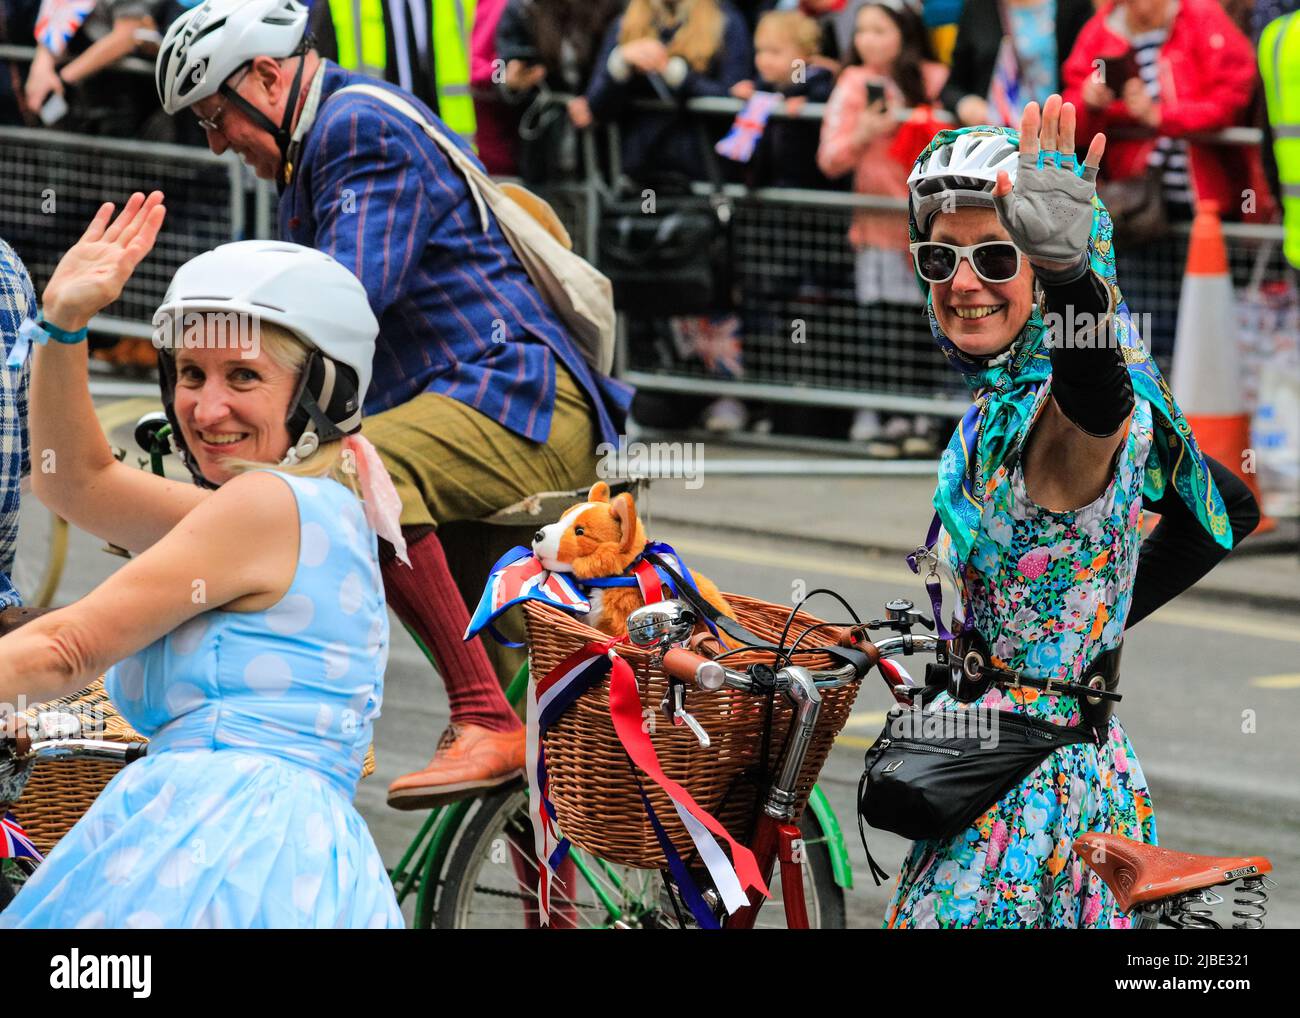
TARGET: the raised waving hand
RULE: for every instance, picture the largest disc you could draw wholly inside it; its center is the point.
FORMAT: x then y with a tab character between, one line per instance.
1048	212
92	273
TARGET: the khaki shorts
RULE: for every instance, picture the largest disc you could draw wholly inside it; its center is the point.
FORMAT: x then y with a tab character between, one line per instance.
449	462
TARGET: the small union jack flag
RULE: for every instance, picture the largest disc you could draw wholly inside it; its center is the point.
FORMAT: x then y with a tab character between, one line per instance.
748	127
14	843
58	22
1006	94
519	576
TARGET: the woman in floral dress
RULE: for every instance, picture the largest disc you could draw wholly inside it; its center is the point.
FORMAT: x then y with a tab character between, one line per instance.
1040	498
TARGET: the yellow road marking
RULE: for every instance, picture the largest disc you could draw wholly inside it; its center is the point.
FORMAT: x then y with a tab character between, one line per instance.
1291	681
1214	623
865	719
860	571
1192	618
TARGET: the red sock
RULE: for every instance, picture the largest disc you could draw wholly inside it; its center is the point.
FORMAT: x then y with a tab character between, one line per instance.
426	599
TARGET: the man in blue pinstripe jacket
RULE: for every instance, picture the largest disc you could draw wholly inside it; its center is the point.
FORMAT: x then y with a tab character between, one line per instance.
479	397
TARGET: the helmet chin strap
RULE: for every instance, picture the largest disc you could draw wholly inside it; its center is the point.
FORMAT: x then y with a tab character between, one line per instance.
283	132
307	444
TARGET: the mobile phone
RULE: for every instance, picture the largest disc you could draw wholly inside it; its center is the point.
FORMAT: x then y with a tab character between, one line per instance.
54	109
875	93
1118	69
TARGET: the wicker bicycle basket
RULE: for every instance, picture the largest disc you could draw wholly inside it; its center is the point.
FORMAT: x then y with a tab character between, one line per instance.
592	784
59	792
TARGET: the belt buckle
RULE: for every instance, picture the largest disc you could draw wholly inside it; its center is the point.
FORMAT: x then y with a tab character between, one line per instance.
1098	681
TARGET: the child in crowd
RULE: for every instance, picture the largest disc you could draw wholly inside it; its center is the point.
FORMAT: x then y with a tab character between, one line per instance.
891	70
785	47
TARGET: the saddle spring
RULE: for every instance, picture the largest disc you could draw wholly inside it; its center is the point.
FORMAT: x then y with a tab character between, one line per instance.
1252	899
1191	911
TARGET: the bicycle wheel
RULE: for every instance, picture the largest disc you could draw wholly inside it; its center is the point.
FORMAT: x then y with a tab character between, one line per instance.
41	555
491	881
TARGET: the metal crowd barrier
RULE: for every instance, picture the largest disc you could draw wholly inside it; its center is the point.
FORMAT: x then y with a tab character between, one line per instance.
53	183
803	337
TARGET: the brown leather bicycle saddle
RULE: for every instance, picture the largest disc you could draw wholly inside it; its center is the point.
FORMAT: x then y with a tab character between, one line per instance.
1138	873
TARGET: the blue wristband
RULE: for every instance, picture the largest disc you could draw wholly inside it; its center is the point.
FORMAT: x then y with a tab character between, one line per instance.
38	330
60	335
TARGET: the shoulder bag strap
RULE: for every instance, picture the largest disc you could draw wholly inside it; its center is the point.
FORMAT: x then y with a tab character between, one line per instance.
474	177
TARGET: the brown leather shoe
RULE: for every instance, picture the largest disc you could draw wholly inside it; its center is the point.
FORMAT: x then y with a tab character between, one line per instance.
469	760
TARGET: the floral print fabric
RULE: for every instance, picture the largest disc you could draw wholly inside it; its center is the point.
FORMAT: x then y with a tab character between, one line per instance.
1049	591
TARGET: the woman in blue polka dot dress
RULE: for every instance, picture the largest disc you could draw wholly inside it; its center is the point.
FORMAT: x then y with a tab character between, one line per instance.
249	631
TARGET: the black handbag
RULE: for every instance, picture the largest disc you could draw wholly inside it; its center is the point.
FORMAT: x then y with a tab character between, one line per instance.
672	261
931	774
1137	207
668	251
549	147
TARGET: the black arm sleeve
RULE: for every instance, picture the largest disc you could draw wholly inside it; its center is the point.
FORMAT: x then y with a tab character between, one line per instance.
1180	551
1090	380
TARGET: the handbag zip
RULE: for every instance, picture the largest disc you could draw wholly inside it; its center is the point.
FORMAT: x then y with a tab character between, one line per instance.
921	748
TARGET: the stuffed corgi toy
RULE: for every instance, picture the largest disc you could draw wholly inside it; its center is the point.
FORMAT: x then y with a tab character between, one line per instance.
599	539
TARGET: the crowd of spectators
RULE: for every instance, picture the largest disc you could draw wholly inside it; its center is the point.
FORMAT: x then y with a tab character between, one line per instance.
1158	76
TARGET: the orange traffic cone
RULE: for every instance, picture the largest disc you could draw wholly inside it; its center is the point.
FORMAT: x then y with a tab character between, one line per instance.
1206	374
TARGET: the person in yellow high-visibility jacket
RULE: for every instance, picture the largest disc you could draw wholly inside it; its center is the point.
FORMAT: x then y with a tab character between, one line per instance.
422	46
1279	66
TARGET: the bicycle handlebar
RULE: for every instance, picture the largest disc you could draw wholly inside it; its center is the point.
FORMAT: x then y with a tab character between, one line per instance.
93	749
687	666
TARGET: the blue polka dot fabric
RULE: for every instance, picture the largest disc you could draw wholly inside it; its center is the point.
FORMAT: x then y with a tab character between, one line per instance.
241	814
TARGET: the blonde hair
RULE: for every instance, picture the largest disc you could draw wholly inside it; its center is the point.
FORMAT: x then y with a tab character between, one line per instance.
331	459
697	41
795	26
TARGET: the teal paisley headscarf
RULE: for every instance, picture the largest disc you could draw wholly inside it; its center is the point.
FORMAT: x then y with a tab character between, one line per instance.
1006	387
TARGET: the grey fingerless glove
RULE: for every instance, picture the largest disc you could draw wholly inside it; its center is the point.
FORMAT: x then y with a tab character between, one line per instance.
1048	211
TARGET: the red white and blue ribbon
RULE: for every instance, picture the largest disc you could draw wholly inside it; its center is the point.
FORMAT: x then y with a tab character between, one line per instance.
748	127
59	20
14	843
548	699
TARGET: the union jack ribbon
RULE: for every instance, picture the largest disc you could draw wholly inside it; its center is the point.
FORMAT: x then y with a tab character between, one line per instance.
748	127
519	576
59	20
14	843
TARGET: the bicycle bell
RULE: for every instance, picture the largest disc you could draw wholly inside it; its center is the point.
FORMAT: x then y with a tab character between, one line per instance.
658	626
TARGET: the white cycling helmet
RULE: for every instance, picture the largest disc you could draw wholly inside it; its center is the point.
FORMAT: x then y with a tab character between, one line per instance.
206	46
209	43
298	288
963	172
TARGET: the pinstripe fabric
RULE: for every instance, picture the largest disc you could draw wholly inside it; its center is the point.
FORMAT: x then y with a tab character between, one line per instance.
457	313
17	302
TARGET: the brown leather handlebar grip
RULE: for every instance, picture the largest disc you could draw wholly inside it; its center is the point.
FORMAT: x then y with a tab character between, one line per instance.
681	664
855	638
705	643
